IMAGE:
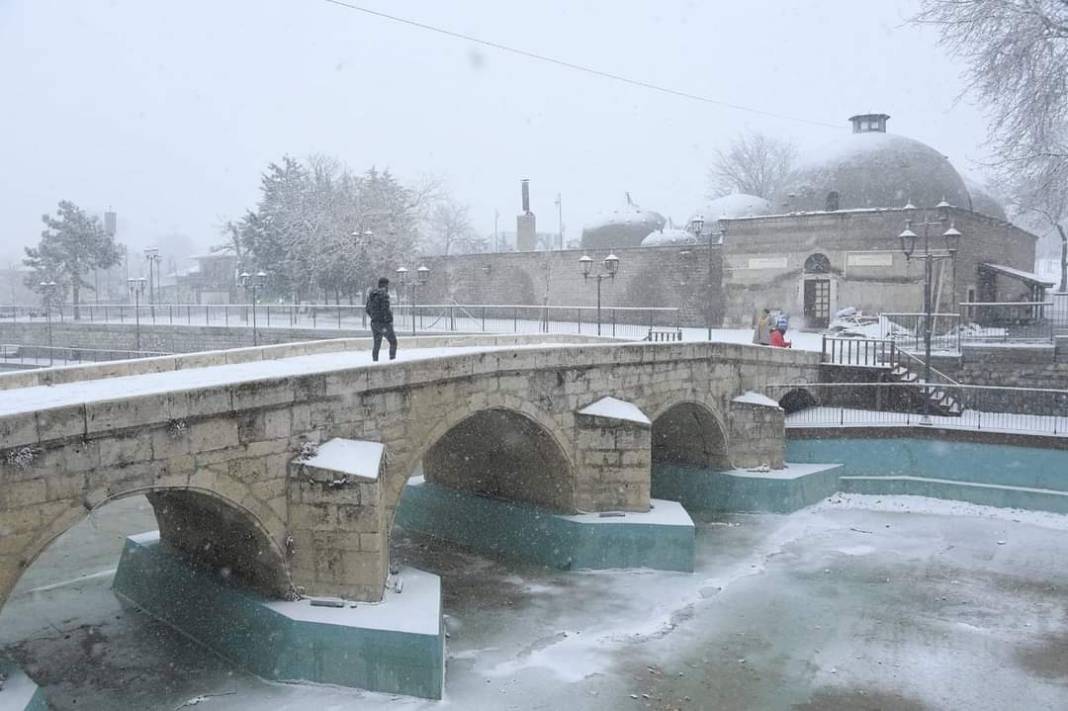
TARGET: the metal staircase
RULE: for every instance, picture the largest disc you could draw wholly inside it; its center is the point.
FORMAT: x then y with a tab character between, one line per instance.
936	393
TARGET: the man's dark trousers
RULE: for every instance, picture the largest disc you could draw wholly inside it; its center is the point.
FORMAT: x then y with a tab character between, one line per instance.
383	329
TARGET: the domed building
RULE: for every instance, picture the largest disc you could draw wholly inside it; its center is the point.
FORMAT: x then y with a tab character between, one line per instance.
668	236
872	169
625	226
827	241
830	238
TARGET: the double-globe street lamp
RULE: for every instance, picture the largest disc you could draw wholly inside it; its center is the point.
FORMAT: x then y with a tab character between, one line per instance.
697	227
48	291
422	274
252	283
611	265
909	238
137	289
154	258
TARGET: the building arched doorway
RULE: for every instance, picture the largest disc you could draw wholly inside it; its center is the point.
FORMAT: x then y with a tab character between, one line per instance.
816	291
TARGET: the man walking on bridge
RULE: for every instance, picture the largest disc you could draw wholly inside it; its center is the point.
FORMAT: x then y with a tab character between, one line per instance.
381	319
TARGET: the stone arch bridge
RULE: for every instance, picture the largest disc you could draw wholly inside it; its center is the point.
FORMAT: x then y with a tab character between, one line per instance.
224	444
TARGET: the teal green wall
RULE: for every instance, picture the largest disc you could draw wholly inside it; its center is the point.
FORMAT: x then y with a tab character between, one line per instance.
706	490
971	462
527	533
239	626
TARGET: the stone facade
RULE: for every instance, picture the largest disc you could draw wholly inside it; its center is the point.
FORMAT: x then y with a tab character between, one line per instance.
673	276
236	444
761	262
764	262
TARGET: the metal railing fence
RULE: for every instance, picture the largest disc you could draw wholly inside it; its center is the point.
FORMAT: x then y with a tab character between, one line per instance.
619	321
19	354
983	408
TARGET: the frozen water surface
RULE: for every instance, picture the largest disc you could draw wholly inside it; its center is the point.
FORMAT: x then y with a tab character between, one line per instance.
893	602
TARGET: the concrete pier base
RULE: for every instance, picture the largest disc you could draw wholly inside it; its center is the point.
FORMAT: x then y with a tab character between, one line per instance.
395	646
19	692
662	538
793	487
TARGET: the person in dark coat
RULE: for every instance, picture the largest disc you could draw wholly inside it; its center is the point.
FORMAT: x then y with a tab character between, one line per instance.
381	319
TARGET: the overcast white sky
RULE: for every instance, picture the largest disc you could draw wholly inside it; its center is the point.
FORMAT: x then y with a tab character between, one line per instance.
169	111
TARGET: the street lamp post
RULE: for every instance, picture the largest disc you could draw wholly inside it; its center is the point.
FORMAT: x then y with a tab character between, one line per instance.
137	288
402	281
611	265
153	257
252	283
48	289
908	245
422	274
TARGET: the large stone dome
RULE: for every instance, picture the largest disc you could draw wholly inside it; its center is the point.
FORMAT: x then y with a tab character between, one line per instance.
626	226
983	202
872	169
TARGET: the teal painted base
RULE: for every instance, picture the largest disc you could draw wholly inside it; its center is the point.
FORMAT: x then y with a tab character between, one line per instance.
396	646
662	538
1015	497
988	474
776	491
19	692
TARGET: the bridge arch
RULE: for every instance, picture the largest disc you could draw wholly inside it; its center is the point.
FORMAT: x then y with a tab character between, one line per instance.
797	399
503	453
690	433
507	448
203	525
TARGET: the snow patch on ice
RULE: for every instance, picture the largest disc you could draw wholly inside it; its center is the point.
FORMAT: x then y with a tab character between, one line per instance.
938	507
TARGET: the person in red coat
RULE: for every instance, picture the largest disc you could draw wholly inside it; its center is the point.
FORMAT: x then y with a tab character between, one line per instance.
778	338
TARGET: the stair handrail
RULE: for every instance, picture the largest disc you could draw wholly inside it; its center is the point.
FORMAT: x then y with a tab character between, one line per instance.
948	380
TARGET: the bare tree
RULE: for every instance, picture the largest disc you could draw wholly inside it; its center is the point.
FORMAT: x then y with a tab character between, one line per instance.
1017	57
1037	194
754	164
449	228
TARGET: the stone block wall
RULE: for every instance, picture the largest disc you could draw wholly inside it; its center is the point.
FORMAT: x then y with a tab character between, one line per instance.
757	436
682	276
615	464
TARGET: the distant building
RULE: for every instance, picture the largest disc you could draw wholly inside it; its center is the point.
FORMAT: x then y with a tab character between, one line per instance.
827	241
212	279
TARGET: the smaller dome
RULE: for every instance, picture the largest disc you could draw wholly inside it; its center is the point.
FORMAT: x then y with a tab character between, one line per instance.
669	236
626	226
734	206
983	202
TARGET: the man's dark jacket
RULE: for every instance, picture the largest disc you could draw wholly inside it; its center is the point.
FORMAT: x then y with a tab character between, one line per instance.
378	306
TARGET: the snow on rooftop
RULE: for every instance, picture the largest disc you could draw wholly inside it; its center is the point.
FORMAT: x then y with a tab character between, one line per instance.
352	457
616	410
752	398
1018	273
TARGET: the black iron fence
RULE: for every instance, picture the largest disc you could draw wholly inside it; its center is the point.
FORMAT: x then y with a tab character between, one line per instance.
618	321
981	408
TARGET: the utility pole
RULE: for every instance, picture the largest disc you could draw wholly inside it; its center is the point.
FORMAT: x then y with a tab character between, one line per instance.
496	234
